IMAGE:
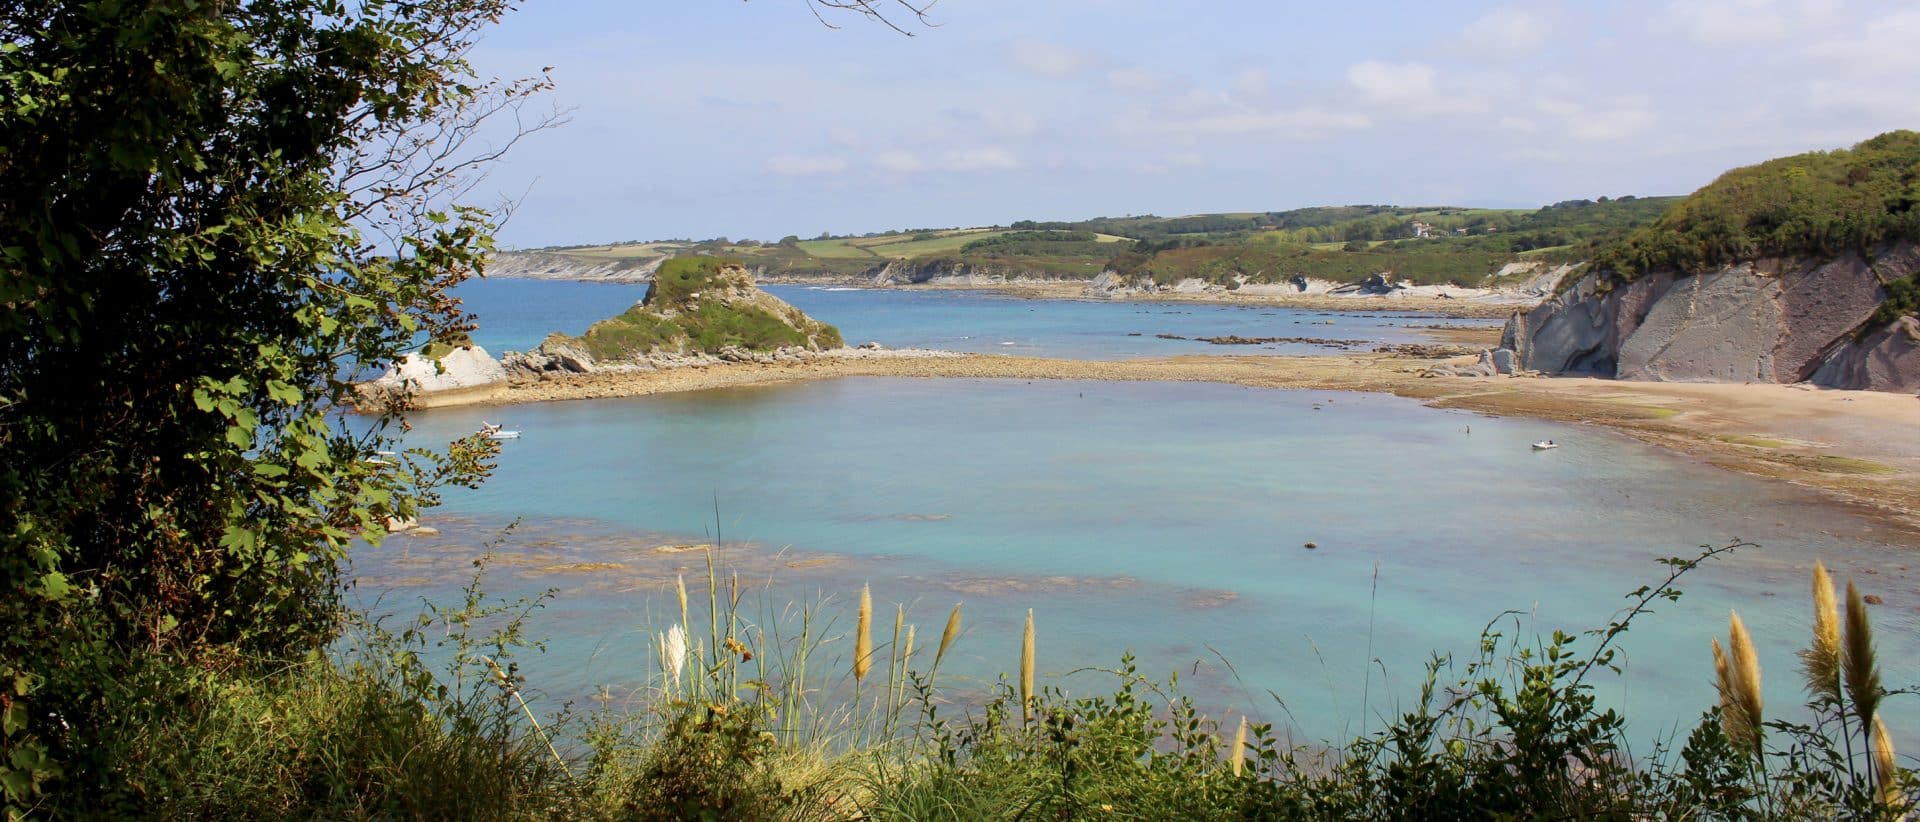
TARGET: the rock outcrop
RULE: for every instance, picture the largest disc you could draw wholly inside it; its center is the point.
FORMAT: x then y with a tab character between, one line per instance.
457	377
1776	321
1884	360
699	311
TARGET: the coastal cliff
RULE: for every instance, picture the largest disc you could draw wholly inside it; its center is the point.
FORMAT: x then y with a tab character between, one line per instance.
1797	270
540	265
698	310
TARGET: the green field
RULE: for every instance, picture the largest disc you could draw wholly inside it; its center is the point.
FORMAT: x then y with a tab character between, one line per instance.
1423	244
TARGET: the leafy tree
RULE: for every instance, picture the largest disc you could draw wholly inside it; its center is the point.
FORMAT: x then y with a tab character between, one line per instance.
214	218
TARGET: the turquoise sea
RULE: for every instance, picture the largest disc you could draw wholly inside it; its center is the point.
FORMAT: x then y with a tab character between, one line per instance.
518	314
1165	520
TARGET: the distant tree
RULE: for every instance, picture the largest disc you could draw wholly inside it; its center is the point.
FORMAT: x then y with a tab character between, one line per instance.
790	241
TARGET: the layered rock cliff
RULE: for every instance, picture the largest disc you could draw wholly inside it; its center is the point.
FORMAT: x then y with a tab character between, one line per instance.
541	265
1802	269
1791	320
698	310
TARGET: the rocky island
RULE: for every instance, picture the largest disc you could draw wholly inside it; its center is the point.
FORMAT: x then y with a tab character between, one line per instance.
699	310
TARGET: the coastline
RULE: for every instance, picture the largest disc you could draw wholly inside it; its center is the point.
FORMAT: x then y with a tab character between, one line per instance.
1470	307
1856	448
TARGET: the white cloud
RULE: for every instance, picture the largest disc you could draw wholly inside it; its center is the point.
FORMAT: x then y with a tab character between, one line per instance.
1521	125
1506	32
979	159
1889	47
791	165
1407	88
1049	59
1134	80
1251	82
1747	21
1392	83
1617	121
904	162
1301	123
1011	123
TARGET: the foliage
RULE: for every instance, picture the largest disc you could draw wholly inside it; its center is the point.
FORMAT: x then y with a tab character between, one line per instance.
186	203
1821	203
1425	264
703	305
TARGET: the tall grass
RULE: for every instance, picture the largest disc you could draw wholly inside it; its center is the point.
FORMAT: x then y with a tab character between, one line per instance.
748	722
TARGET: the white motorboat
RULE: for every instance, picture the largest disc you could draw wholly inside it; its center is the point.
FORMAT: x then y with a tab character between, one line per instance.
502	434
1545	444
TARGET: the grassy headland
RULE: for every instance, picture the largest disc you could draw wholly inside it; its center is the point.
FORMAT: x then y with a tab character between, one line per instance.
1427	245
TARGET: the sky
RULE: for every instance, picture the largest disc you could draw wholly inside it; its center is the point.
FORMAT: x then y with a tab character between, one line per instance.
704	118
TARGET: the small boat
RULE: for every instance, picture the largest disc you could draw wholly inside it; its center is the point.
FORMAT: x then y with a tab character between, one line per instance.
500	434
1545	444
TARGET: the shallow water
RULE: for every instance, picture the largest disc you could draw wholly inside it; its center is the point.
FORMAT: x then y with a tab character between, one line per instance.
517	314
1165	519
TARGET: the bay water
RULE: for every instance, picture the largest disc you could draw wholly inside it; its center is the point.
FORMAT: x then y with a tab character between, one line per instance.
1171	521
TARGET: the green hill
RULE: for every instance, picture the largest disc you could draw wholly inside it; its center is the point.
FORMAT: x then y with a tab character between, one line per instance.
1426	244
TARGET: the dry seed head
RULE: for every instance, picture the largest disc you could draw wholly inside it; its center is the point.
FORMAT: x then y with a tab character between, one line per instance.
1026	670
680	588
1746	671
907	655
946	638
1821	660
673	653
1239	758
1857	666
863	636
1886	770
1733	718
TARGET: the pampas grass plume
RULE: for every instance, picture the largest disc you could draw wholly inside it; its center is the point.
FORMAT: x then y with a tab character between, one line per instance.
863	636
1745	676
1026	670
1239	758
946	640
1821	660
673	653
1885	769
1856	660
1733	717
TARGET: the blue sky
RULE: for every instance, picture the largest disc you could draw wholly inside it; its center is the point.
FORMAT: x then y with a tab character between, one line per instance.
702	118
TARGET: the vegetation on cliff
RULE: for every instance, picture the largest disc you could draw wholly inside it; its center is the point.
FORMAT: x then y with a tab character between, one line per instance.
701	305
1818	204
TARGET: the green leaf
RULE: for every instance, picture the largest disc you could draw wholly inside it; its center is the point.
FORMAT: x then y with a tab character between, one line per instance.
54	585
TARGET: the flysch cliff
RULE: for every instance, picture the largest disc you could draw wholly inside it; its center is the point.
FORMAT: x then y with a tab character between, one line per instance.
699	310
541	265
1783	309
1781	321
